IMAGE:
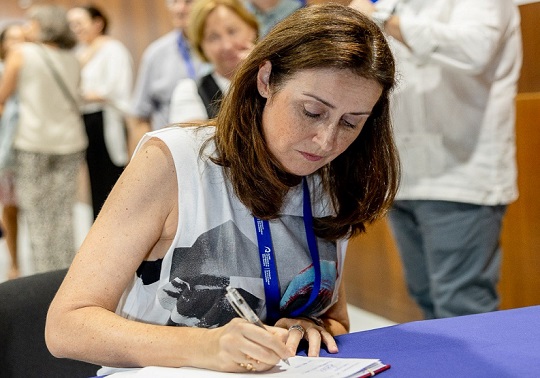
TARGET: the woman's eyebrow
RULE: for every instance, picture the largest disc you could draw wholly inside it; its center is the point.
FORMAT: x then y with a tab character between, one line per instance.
331	106
319	99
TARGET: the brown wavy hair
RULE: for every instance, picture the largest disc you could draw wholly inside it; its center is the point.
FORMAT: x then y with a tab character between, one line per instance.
363	180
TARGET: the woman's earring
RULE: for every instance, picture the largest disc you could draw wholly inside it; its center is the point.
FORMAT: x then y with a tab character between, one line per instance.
263	91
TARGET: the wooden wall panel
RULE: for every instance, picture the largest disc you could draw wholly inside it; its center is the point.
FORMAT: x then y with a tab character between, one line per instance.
520	276
374	276
530	76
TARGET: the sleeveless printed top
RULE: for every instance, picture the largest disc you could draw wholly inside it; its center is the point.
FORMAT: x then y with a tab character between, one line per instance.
216	245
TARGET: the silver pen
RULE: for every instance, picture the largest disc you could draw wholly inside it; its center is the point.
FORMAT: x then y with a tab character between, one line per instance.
243	310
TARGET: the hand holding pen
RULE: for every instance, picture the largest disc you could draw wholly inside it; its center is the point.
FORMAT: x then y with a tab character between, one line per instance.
244	311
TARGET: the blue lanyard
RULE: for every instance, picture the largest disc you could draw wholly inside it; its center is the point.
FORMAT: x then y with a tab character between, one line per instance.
303	3
186	56
268	262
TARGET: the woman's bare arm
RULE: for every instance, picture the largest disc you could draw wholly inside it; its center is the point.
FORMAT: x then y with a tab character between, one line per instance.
133	223
8	83
138	222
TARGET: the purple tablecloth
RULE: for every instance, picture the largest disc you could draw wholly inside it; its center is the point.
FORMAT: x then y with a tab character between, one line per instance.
499	344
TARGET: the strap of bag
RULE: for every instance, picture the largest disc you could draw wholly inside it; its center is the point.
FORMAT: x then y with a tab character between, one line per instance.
210	94
63	87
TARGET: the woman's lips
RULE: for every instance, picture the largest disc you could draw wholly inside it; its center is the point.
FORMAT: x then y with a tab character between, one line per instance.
311	157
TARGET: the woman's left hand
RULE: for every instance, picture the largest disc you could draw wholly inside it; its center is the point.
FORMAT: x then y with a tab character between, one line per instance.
305	328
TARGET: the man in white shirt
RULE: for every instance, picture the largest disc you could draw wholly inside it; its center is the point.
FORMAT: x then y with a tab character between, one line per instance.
458	65
164	63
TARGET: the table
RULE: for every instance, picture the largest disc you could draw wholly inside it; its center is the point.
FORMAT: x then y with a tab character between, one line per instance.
498	344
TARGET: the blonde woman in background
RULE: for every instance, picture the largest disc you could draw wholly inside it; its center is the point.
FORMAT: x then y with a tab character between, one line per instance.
222	32
107	77
50	139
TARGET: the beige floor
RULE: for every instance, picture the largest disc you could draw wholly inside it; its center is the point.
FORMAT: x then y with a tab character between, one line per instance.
360	319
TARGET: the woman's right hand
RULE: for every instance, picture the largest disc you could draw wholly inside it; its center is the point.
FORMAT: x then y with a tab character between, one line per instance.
240	346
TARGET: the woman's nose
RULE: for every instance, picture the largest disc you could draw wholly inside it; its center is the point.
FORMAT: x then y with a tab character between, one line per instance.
326	137
227	43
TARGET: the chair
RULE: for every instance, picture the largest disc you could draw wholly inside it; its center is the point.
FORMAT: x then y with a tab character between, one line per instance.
23	308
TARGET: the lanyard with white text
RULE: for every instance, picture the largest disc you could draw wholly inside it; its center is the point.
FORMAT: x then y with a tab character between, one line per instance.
268	263
186	56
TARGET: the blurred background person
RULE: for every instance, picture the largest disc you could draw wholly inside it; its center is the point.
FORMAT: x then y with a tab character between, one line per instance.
106	84
270	12
9	37
50	138
454	116
221	32
164	63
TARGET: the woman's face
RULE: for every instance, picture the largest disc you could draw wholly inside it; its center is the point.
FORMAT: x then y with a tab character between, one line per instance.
85	28
315	115
227	40
32	30
179	10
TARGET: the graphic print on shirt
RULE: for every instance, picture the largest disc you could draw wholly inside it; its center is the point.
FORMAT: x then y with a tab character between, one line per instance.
222	256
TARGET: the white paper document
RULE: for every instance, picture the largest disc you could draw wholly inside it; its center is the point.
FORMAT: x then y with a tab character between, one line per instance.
312	367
